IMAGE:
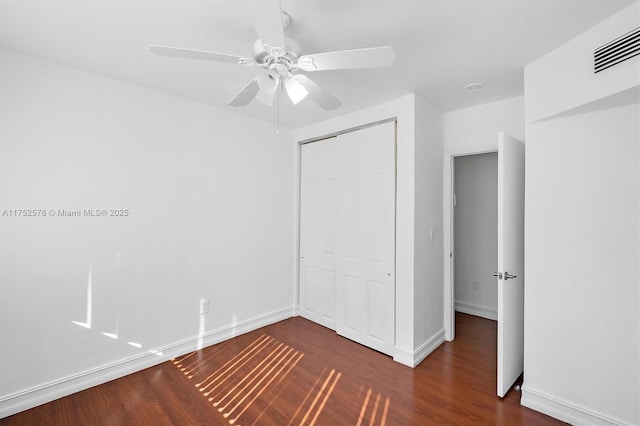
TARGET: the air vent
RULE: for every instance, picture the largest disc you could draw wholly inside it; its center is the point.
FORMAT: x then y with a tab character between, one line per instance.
619	50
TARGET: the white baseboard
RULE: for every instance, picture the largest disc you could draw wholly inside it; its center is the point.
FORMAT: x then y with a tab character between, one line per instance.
565	411
477	310
41	394
403	356
427	347
412	358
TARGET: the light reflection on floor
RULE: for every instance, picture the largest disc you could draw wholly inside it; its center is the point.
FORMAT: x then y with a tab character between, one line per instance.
238	383
374	409
255	377
312	412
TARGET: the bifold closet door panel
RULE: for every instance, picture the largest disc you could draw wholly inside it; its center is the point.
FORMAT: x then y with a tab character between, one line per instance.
318	232
365	244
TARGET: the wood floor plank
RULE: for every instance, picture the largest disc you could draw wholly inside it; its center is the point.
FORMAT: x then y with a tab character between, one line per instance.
296	372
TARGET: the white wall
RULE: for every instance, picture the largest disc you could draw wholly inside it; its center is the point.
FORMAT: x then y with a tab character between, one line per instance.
210	196
582	237
471	131
569	80
476	234
409	210
429	326
581	296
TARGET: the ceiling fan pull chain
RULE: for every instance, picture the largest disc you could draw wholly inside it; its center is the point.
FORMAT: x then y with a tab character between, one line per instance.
278	114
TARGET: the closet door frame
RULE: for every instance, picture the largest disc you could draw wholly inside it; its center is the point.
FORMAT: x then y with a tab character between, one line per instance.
389	266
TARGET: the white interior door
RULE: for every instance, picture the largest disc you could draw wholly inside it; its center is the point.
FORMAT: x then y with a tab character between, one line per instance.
510	261
365	249
318	232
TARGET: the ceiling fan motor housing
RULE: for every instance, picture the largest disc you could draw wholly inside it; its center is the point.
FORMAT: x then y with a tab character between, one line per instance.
266	55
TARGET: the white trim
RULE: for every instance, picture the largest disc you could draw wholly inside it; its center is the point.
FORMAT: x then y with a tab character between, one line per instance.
413	358
427	347
403	356
565	411
296	236
349	130
477	310
46	392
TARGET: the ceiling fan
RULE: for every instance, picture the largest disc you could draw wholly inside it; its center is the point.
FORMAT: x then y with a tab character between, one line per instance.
282	60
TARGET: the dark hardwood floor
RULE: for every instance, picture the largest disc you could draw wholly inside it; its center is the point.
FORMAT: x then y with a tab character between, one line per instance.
298	373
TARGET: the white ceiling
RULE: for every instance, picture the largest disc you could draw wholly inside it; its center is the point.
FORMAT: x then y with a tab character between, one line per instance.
441	45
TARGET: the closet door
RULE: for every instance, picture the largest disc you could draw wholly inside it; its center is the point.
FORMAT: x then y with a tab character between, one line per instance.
318	232
365	243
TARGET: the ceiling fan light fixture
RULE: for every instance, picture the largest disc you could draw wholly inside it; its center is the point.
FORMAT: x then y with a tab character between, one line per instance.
266	98
268	84
295	90
268	81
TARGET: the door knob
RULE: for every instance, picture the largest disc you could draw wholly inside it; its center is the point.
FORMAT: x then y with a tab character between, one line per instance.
498	274
508	276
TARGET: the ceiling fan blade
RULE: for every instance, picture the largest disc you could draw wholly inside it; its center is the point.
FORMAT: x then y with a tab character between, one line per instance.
271	28
178	52
319	95
246	95
374	57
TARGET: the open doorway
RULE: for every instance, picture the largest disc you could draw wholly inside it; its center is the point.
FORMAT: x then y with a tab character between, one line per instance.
474	247
468	270
475	230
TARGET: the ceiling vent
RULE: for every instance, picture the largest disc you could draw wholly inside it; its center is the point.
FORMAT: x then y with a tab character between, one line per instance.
616	51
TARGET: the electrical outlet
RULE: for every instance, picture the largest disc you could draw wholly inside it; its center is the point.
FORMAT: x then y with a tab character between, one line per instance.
204	306
476	285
